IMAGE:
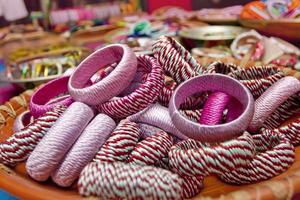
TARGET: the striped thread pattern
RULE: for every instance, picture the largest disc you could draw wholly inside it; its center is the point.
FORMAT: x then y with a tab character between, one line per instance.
193	115
120	144
19	146
274	155
193	158
191	186
151	150
127	181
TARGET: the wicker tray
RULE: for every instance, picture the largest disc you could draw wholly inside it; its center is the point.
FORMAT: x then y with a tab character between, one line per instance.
16	181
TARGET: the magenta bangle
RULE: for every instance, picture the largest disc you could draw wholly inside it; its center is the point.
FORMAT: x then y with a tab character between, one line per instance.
267	103
84	149
142	97
110	86
22	121
38	102
51	150
216	133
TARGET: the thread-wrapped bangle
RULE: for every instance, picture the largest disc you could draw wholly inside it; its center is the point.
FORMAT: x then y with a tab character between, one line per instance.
38	102
18	147
274	155
51	150
143	96
129	182
193	158
267	103
120	144
207	133
157	115
175	59
110	86
151	150
84	150
22	121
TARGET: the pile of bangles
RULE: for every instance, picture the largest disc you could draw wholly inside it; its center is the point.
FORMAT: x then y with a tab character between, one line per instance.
155	127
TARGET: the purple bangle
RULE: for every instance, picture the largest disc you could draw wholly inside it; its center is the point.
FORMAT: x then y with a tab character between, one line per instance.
38	102
267	103
216	133
84	149
110	86
22	121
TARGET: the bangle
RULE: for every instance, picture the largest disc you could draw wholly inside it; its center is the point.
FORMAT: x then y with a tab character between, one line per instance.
18	147
193	158
22	121
216	133
119	145
51	150
274	155
267	103
157	115
84	149
38	102
129	182
142	97
110	86
175	59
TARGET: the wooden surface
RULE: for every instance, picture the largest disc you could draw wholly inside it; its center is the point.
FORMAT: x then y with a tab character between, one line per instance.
16	181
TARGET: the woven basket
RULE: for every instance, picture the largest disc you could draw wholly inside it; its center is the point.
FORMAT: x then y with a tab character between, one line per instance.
16	181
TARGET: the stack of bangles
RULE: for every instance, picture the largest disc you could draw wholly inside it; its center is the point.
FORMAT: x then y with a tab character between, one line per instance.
122	126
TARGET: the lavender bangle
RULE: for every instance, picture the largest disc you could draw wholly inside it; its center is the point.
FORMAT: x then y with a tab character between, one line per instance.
50	151
22	121
84	149
267	103
216	133
157	115
38	102
110	86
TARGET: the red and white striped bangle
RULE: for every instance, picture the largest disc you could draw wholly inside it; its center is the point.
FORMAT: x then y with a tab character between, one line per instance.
151	150
193	158
127	181
18	147
120	144
274	155
175	59
142	97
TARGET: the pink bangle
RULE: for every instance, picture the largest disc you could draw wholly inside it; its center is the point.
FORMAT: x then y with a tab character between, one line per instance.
51	150
18	147
22	121
157	115
142	96
267	103
38	102
216	133
110	86
274	155
84	149
193	158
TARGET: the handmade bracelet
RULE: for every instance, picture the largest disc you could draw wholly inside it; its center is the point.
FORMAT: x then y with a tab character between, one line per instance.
84	150
271	99
38	102
142	96
22	121
18	147
129	182
157	115
274	155
110	86
51	150
175	59
193	158
207	133
152	149
120	144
